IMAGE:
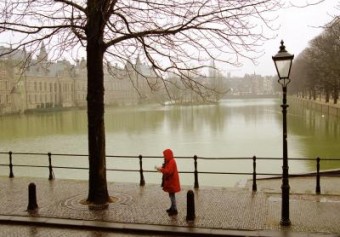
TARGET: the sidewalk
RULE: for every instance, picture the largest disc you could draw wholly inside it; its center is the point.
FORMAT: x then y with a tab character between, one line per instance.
141	210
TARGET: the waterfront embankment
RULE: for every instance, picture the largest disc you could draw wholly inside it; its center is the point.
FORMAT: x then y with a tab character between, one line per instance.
318	105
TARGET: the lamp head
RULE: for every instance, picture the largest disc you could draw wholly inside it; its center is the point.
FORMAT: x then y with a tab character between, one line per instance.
283	63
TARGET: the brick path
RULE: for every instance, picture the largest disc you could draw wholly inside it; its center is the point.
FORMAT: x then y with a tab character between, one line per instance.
219	211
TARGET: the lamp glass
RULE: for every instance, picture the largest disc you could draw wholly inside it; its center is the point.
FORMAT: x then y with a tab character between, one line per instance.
283	67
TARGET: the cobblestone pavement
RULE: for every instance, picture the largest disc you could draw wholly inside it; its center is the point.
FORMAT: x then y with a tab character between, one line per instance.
219	211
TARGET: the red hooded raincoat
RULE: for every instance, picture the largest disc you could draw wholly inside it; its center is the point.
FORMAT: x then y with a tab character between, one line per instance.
171	182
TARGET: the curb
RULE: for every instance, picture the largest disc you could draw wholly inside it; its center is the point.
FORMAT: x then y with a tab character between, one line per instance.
145	228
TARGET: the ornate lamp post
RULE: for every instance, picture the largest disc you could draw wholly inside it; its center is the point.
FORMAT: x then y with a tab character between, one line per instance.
283	63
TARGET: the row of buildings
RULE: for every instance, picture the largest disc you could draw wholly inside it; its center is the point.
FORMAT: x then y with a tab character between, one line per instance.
28	84
252	85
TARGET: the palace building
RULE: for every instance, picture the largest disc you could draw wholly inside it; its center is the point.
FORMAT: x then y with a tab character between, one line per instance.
28	84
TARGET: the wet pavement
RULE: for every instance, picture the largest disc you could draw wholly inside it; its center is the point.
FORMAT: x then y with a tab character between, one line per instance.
141	210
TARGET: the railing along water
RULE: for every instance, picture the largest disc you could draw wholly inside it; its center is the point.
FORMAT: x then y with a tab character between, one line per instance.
141	171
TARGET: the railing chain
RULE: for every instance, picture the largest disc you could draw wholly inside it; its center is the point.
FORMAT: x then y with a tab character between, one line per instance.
142	180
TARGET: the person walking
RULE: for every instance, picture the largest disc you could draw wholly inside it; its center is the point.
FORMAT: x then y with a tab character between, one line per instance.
170	179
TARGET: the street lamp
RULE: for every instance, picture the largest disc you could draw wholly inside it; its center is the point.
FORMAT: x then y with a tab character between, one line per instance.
283	63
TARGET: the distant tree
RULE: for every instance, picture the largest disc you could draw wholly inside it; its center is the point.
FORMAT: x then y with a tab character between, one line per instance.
317	68
315	71
173	36
332	50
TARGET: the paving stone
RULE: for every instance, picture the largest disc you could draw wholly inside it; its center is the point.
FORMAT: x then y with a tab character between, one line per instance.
235	209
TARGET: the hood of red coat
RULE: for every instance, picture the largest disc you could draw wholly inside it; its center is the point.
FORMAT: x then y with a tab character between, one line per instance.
168	155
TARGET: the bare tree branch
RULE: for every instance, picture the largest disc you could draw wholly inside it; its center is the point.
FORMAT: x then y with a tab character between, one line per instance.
176	37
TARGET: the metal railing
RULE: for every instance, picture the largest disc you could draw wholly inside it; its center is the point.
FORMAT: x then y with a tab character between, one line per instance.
141	171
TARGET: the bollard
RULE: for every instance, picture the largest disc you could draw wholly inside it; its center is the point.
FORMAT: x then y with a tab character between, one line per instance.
190	206
32	198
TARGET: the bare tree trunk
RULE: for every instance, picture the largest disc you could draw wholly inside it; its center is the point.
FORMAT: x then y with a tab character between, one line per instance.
335	94
327	92
314	93
95	48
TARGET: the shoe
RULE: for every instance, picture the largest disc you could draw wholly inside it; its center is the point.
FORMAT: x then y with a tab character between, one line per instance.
168	210
172	212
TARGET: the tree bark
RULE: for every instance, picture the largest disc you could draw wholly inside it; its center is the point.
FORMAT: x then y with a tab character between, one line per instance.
335	94
95	49
314	93
327	94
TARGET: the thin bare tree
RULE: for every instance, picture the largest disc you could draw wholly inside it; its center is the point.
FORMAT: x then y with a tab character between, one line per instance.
174	36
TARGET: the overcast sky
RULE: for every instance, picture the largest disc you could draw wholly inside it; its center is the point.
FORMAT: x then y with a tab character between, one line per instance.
298	27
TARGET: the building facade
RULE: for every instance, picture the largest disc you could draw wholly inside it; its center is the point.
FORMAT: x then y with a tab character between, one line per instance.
39	84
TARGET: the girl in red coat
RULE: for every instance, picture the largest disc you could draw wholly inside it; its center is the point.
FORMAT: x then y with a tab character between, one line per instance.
170	182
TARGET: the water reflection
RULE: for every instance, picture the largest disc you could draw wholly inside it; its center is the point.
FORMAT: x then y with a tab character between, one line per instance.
319	134
42	124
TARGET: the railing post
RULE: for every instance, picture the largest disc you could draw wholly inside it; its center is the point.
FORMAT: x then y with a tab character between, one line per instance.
254	174
318	188
196	185
51	175
142	181
11	174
